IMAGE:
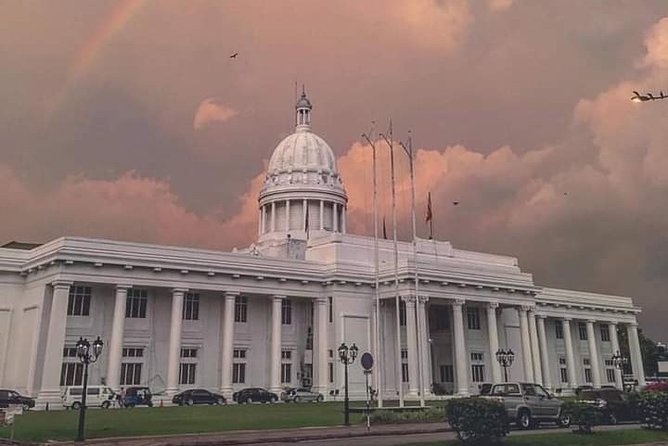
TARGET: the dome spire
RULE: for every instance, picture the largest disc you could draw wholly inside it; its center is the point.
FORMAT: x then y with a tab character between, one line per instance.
303	109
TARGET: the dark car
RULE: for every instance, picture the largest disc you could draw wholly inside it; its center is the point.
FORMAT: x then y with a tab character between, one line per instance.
11	397
198	396
613	403
137	396
254	394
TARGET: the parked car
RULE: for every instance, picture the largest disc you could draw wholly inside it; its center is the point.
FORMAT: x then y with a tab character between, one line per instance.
580	389
254	394
300	395
613	403
137	396
96	396
12	397
528	404
198	396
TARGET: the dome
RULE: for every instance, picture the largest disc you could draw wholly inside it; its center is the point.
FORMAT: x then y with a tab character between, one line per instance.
302	150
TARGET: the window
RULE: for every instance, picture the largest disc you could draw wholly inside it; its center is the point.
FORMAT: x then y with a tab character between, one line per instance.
473	315
404	365
191	307
478	367
582	330
609	370
131	366
331	372
188	367
330	305
402	313
135	306
133	352
563	370
71	374
559	330
439	318
286	312
78	302
69	352
241	309
587	370
239	366
446	373
286	366
605	333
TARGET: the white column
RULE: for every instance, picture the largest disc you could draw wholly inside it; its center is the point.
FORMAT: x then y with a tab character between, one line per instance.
116	342
321	346
287	215
535	350
275	358
411	346
423	332
49	392
273	216
593	355
322	215
228	344
461	362
493	333
526	344
619	380
264	219
175	342
542	340
335	217
570	357
343	218
636	355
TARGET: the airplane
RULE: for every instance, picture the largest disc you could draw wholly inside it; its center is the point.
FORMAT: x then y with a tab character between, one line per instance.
647	97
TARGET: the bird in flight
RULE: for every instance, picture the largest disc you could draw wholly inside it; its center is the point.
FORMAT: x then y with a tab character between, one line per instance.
234	56
455	203
637	97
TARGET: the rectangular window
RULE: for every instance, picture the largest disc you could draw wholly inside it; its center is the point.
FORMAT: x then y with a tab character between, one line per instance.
582	330
135	306
473	316
78	301
191	307
559	330
187	373
69	352
610	375
71	374
286	373
133	352
439	318
477	357
402	313
446	373
404	365
330	306
239	366
189	353
478	373
587	375
286	312
130	373
563	369
331	372
605	333
241	309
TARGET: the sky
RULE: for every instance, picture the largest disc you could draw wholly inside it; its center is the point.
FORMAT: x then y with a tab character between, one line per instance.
128	120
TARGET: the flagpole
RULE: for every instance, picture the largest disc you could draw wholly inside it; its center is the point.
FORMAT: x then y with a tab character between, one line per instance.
396	267
376	334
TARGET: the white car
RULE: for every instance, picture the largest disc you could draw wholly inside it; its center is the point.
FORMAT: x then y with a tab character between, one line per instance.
96	396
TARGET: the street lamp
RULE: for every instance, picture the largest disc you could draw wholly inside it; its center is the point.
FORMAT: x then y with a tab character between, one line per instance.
505	358
347	356
620	361
86	356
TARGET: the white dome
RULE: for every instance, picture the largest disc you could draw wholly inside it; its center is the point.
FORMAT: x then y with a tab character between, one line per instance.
302	150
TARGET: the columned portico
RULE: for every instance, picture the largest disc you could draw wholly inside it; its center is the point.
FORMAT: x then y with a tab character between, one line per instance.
614	340
275	356
636	355
570	356
542	341
175	342
116	342
493	333
228	344
593	355
411	339
49	392
321	345
526	343
535	350
460	358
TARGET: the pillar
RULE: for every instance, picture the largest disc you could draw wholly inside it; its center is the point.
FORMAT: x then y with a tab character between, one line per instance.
619	379
425	354
493	333
526	344
343	219
636	355
116	341
175	342
321	346
273	216
228	343
335	217
322	215
55	342
275	358
544	359
593	355
461	362
287	215
535	350
263	220
570	357
411	346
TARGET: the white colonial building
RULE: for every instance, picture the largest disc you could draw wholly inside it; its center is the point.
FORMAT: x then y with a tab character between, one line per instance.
274	314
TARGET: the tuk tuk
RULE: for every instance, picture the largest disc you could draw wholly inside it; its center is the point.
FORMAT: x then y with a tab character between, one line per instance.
137	396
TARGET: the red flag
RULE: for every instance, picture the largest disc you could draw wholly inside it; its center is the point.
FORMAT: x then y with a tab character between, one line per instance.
429	214
384	229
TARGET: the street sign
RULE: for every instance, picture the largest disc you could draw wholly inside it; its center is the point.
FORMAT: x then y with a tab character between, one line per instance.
367	361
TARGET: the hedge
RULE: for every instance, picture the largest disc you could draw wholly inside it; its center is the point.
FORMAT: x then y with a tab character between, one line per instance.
478	420
653	409
583	415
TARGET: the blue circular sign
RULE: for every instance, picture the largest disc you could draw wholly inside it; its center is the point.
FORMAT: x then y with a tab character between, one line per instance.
367	361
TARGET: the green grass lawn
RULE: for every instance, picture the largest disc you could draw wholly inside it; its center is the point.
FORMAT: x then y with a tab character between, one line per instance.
608	438
62	425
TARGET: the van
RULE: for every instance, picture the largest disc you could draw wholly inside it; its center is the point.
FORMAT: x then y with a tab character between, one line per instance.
96	396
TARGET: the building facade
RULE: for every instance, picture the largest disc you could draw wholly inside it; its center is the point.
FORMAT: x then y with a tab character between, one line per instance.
274	314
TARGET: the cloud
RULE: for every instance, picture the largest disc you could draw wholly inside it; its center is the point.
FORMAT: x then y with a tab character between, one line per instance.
499	5
209	111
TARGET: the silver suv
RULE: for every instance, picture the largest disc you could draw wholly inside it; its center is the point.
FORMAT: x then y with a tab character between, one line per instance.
528	404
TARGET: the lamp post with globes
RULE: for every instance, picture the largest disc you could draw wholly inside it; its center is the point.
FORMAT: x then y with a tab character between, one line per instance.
505	358
347	356
86	355
620	361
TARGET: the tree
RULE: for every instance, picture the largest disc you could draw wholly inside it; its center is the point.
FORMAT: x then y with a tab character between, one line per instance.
651	353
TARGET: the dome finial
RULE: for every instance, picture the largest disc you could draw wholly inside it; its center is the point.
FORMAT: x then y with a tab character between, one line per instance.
303	108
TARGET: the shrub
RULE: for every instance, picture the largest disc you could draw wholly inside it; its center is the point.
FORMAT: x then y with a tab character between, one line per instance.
583	415
661	386
478	419
653	409
407	416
